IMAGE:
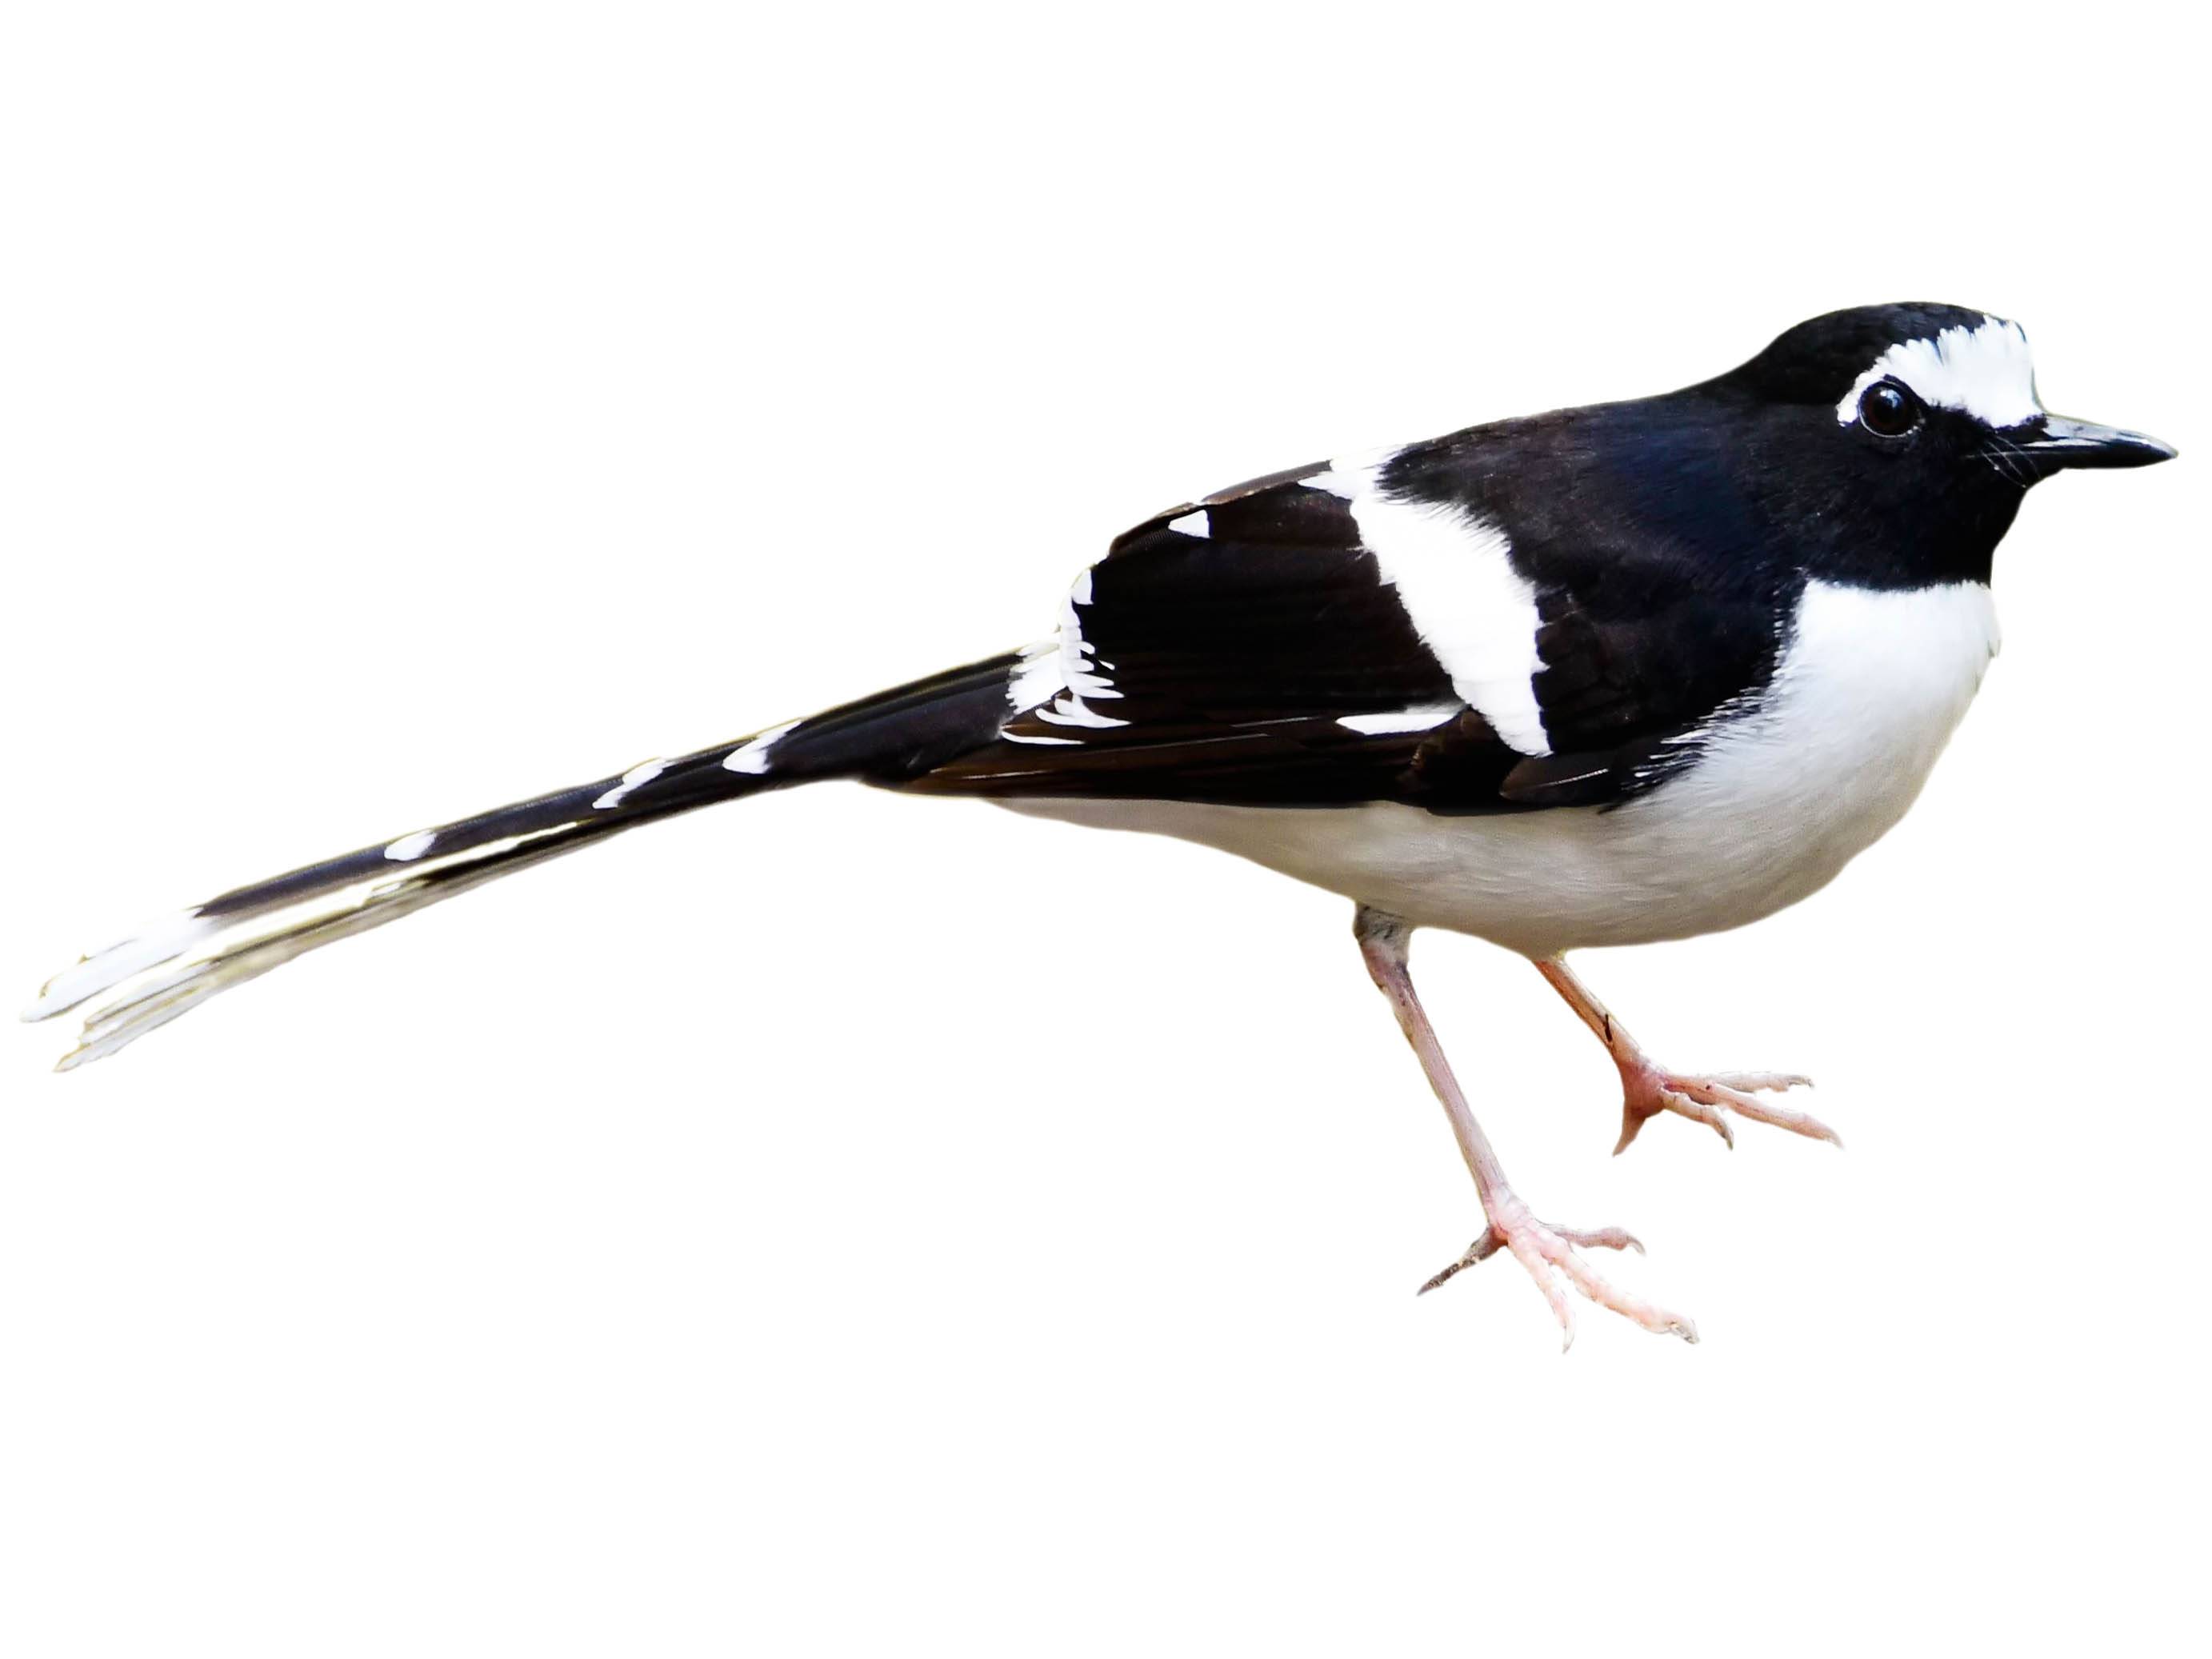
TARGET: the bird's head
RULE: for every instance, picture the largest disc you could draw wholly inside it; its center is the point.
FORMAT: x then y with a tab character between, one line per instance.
1915	428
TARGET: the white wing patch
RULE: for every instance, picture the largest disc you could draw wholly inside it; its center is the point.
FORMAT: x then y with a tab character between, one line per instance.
1422	717
1345	477
1079	669
1038	679
1985	371
1455	578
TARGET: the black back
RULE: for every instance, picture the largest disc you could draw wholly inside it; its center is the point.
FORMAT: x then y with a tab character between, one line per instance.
1667	539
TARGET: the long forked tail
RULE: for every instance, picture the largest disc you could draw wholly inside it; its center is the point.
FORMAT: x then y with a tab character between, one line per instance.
168	968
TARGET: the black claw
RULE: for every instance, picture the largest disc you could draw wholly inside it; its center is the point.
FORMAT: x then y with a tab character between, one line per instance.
1481	1250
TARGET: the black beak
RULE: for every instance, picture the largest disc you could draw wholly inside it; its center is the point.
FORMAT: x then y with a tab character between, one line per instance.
2051	443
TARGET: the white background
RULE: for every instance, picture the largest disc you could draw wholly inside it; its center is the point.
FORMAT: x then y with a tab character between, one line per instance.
851	1224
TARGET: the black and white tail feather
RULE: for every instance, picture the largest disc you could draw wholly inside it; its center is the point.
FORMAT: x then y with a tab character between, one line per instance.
141	982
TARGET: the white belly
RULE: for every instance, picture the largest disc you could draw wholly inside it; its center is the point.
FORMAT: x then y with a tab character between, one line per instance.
1869	689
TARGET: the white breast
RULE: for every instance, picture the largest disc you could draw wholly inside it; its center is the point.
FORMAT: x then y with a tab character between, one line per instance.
1785	791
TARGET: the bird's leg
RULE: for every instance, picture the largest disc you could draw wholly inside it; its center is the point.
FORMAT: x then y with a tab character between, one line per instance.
1648	1088
1547	1253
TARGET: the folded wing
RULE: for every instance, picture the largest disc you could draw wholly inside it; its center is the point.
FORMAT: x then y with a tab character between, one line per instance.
1346	633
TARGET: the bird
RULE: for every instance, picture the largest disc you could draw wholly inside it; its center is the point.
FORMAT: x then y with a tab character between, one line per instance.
1613	675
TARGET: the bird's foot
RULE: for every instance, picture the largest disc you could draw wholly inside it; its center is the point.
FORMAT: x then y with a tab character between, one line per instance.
1650	1089
1549	1253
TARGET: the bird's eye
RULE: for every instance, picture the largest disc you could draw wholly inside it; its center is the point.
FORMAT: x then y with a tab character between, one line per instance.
1887	409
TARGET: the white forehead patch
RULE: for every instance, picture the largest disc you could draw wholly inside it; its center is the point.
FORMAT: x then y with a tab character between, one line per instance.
1984	371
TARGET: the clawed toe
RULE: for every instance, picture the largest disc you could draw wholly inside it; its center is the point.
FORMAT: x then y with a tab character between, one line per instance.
1548	1255
1604	1238
1649	1089
1773	1081
1711	1100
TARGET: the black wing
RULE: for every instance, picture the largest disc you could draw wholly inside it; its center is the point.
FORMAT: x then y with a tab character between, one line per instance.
1248	649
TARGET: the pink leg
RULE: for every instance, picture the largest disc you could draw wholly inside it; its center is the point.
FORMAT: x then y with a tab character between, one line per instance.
1547	1253
1649	1089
